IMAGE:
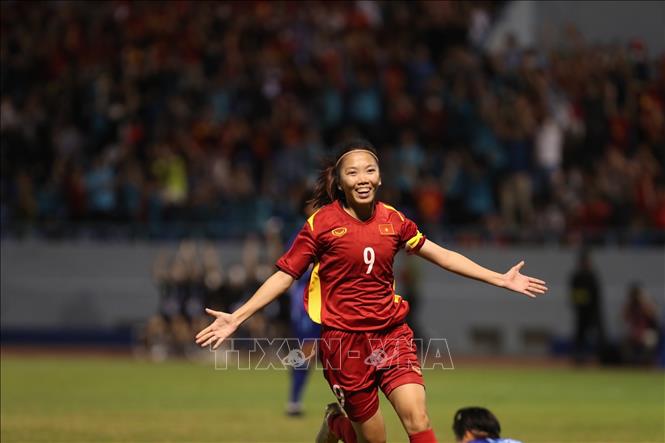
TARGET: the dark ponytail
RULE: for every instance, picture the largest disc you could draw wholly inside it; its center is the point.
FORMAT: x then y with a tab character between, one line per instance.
327	189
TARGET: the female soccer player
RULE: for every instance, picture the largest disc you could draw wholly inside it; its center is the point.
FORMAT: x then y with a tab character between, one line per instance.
352	240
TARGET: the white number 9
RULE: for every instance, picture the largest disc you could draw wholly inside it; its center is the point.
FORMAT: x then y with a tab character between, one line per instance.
368	255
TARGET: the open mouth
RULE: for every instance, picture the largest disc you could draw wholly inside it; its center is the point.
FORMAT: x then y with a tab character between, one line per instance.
364	192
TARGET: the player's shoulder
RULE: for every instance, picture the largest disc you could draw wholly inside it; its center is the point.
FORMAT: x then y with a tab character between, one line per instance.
322	218
391	213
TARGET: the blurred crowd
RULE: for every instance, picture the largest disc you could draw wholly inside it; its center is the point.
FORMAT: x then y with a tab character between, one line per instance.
192	276
219	114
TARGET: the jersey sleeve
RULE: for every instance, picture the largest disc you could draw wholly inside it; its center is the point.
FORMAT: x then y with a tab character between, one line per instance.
301	253
411	237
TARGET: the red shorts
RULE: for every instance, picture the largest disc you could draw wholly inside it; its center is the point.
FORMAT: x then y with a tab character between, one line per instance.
357	363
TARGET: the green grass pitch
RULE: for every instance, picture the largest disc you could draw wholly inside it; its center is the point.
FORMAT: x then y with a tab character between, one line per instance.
85	399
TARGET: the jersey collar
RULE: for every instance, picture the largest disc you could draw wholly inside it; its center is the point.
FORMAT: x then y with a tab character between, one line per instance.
338	205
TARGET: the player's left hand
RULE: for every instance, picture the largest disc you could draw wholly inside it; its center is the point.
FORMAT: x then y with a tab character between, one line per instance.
529	286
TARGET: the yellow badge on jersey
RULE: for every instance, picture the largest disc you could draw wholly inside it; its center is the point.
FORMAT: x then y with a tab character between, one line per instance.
338	232
386	229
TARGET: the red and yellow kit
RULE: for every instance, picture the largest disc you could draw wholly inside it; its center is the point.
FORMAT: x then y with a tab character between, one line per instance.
365	344
352	283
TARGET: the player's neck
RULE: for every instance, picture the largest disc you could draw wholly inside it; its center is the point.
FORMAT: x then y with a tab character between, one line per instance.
360	212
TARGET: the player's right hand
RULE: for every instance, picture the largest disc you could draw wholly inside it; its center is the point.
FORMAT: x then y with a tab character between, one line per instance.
223	326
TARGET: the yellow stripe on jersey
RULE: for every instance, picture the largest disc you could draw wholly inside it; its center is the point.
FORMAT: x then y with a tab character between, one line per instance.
397	298
310	220
314	297
413	241
393	209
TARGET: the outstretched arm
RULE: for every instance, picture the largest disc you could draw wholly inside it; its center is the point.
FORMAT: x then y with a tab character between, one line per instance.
225	324
459	264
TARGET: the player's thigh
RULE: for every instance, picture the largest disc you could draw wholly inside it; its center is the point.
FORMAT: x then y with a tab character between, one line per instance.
410	404
372	430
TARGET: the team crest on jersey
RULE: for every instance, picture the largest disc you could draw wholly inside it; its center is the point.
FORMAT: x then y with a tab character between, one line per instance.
386	229
338	232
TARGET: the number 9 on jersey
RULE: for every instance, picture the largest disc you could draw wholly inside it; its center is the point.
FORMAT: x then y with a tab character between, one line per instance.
368	255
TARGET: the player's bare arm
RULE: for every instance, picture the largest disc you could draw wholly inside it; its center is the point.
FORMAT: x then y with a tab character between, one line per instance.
226	324
459	264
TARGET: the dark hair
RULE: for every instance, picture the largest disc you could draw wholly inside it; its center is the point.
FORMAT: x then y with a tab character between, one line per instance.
584	255
634	289
306	199
480	421
327	189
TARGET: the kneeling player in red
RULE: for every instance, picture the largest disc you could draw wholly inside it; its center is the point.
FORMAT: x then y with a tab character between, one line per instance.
365	343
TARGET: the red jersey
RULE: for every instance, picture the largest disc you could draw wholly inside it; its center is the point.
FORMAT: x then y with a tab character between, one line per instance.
352	286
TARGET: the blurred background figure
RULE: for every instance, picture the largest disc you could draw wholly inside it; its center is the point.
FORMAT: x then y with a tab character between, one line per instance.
237	292
586	301
155	339
187	285
409	278
642	325
214	278
302	327
185	282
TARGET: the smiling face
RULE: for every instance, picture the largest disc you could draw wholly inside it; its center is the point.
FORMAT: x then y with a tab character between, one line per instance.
359	178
